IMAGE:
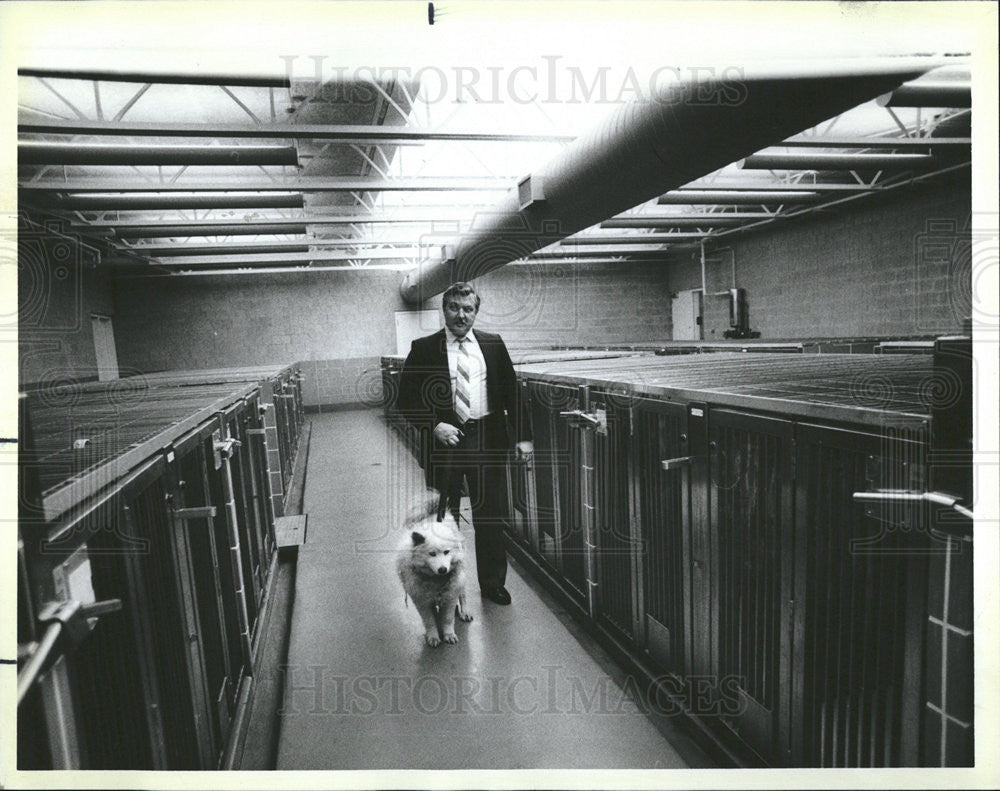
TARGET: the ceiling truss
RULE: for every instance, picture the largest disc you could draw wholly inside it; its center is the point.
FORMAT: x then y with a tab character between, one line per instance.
269	201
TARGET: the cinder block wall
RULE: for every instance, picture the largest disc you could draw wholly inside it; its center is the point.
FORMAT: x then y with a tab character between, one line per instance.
335	323
879	266
585	304
57	293
339	323
887	266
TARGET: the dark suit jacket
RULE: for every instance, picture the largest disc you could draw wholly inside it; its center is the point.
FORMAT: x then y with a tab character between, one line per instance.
425	395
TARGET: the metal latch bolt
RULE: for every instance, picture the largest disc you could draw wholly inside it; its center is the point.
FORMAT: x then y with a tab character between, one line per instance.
68	621
900	495
225	446
582	417
679	461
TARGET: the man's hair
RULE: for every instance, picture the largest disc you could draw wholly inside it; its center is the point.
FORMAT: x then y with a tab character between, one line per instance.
460	290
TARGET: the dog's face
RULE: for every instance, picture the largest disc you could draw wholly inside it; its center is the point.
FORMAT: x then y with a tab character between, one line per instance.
436	546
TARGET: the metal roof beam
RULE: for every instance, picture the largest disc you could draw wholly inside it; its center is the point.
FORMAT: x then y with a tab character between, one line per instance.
181	250
639	238
604	252
267	259
306	220
823	141
355	133
735	196
266	185
47	153
201	229
839	161
133	273
141	274
757	183
166	78
288	246
683	220
834	200
273	247
82	202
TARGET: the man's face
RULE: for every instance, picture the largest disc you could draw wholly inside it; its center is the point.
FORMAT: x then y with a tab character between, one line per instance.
460	314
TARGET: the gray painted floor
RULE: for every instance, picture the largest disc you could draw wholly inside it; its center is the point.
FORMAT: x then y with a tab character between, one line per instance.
362	689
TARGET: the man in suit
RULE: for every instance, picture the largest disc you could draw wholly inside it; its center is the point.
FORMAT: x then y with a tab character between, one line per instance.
458	388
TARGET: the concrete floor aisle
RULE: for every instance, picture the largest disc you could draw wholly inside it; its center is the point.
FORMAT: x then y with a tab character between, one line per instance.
363	691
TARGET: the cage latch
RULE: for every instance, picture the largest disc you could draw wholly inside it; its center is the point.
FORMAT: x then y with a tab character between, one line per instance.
224	447
680	461
578	416
67	623
901	495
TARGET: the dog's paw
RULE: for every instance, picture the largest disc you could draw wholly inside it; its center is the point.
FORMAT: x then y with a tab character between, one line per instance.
451	637
432	640
465	616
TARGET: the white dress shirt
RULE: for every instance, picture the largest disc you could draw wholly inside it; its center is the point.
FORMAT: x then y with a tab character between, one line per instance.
479	406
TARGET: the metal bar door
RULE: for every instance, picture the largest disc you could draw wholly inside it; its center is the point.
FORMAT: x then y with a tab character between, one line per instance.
551	465
860	600
661	501
160	611
194	490
522	505
751	535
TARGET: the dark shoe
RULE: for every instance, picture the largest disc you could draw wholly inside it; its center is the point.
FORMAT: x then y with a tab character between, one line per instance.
498	594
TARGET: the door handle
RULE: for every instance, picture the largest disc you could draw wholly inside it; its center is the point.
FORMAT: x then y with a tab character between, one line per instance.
680	461
901	495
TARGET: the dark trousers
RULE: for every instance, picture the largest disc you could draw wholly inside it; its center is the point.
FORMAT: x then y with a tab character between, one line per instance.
480	459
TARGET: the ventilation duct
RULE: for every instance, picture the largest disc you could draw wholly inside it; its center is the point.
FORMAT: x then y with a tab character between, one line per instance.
681	132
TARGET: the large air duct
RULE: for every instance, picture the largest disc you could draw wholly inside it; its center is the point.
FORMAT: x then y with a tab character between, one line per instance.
681	132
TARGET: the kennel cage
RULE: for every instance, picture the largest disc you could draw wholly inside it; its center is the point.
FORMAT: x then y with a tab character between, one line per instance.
768	525
146	549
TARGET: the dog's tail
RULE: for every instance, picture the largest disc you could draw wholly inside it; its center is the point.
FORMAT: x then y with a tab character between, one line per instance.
426	506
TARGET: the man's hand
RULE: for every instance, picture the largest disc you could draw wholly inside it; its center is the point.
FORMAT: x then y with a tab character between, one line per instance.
447	434
525	448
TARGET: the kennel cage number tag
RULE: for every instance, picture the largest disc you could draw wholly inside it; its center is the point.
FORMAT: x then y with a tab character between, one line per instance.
602	421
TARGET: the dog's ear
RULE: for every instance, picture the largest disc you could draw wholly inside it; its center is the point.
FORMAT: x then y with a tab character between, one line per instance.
418	538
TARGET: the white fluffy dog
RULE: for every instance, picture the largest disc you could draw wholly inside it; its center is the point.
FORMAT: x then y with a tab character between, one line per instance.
431	566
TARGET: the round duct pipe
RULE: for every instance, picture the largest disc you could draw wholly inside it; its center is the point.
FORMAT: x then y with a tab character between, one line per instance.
681	132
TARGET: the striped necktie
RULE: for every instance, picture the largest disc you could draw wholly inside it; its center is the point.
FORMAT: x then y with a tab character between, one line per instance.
463	400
